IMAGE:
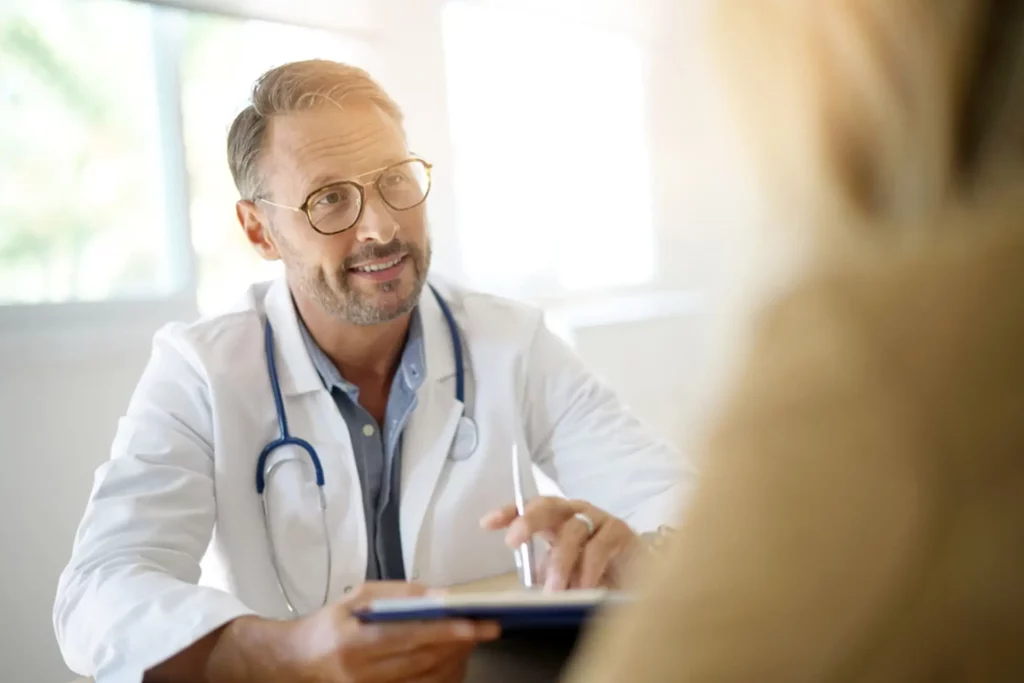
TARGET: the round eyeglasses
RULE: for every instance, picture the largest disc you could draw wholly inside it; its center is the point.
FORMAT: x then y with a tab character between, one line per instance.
337	207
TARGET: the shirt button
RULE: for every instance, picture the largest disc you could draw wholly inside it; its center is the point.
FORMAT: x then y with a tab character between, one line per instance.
368	430
348	589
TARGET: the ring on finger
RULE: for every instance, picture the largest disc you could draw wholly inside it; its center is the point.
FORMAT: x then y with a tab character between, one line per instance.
585	518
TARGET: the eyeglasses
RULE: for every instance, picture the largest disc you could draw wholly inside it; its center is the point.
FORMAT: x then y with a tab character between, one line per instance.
338	206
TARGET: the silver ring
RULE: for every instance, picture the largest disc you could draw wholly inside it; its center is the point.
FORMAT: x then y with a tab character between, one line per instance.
586	520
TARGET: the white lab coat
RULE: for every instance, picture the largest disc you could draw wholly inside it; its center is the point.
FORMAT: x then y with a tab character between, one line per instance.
179	489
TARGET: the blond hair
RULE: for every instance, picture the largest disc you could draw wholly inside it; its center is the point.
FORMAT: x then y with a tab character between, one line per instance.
877	111
860	513
291	88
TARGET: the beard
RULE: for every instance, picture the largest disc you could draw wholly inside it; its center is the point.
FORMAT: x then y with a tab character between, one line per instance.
369	303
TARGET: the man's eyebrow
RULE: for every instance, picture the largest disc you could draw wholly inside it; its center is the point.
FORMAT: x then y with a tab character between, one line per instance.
324	180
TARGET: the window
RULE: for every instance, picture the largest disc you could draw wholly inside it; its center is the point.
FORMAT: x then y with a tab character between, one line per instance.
82	211
114	182
552	170
221	59
113	125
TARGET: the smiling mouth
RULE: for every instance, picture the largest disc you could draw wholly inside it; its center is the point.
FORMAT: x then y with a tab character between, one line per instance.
381	270
382	265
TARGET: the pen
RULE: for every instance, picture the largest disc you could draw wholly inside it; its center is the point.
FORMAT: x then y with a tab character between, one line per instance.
524	554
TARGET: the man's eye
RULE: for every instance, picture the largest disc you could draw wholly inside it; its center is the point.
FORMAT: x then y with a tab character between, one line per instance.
329	199
393	179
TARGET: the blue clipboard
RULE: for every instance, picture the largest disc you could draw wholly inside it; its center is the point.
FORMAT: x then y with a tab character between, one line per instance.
512	610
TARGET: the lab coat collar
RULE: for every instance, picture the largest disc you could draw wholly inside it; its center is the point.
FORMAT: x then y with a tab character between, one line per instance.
296	372
437	340
430	430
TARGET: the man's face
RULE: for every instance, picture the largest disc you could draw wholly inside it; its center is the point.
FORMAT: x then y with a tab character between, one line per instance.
343	272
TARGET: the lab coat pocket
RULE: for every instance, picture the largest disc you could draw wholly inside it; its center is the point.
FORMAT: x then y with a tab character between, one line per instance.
296	527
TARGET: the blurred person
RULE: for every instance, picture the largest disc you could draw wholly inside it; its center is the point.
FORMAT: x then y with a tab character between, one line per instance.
344	434
860	515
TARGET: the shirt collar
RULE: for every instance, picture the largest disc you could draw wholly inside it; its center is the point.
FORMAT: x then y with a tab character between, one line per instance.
412	368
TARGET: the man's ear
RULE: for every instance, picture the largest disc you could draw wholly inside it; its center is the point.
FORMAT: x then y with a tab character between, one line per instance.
256	229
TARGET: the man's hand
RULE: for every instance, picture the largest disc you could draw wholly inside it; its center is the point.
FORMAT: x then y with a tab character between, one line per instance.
340	647
578	558
331	646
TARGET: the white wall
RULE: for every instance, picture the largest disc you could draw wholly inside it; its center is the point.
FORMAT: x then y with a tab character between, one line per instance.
654	365
61	392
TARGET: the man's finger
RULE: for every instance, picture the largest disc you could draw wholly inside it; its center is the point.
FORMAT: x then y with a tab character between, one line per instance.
409	665
450	668
565	554
541	514
386	640
500	518
376	590
609	540
542	567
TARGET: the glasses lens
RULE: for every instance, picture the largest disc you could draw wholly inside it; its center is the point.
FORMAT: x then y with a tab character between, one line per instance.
404	185
334	208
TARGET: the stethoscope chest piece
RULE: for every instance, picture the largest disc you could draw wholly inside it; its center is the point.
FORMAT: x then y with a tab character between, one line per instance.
466	439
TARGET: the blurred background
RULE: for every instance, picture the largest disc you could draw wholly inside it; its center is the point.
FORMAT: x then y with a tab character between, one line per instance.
577	166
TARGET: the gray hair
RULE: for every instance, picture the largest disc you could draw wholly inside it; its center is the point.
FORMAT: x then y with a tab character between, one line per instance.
291	88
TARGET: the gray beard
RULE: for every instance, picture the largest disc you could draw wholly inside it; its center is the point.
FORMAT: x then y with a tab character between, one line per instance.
358	308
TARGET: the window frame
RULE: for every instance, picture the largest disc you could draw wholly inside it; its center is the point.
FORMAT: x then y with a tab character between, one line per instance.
78	327
30	325
45	321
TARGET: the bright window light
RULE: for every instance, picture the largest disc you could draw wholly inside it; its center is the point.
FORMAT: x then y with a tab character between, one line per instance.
552	170
82	210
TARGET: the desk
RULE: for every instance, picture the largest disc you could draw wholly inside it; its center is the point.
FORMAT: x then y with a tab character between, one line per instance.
538	659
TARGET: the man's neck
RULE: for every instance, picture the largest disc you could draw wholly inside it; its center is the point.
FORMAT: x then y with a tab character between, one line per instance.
362	353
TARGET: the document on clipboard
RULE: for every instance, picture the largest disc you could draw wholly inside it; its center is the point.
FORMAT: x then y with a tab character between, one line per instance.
511	609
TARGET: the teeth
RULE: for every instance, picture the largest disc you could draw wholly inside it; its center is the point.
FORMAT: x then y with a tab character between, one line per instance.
379	266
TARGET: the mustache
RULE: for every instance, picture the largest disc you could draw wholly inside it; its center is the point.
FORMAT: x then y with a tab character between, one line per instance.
378	251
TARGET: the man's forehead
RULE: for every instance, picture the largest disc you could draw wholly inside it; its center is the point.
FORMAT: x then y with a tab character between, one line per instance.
332	142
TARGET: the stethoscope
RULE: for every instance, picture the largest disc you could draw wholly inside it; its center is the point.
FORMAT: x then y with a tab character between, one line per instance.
463	446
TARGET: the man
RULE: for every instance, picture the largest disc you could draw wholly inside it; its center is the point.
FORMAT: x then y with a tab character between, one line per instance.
345	424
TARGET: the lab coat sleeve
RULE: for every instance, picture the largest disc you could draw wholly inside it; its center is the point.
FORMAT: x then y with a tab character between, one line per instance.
128	599
584	437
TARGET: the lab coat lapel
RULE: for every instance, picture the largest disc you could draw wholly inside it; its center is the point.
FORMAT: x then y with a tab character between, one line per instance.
313	415
430	430
295	371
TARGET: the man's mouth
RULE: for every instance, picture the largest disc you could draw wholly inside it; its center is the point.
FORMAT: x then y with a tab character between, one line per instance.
381	269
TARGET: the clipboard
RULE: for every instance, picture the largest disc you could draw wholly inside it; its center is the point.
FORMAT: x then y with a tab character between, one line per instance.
512	610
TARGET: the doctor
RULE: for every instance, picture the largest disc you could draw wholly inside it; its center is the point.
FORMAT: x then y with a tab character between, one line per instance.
343	433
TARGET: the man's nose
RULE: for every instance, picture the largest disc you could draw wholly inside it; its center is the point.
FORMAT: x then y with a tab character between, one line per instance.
376	224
